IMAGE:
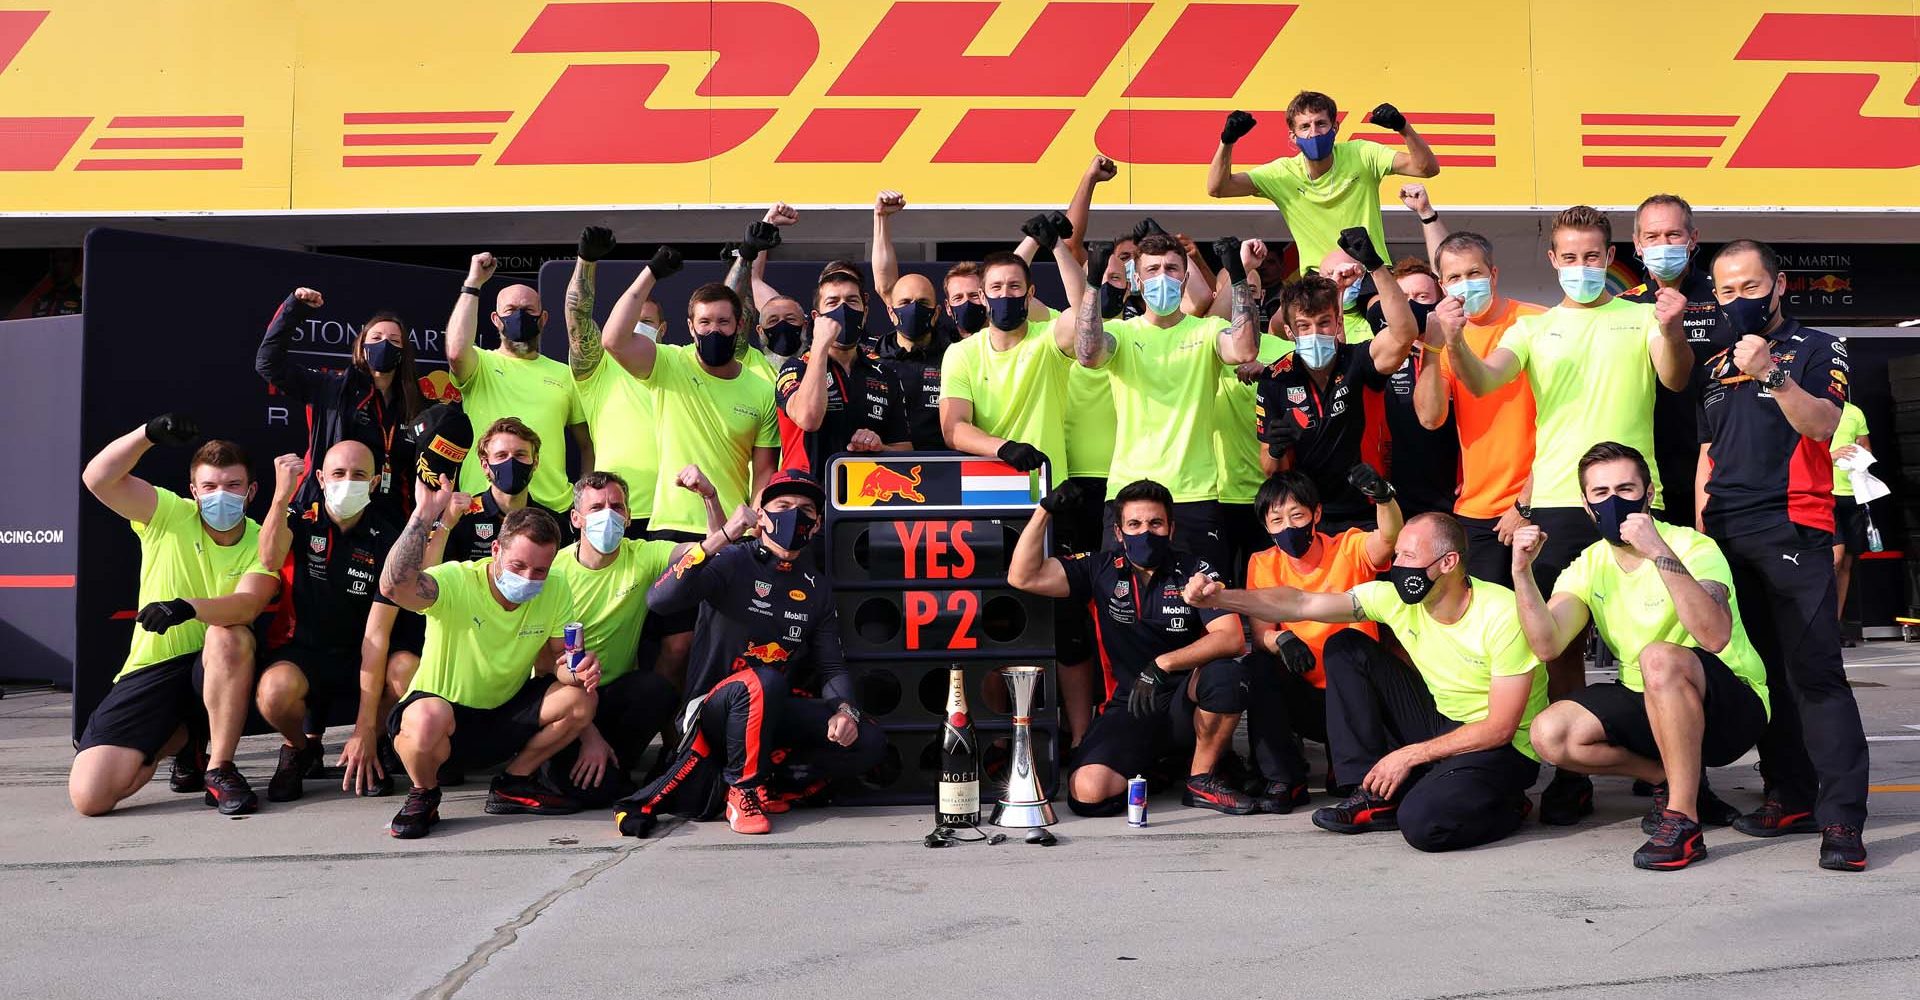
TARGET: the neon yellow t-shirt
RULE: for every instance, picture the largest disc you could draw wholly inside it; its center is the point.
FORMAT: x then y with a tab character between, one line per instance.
1359	331
1592	378
179	559
620	415
1460	661
1089	422
1019	394
1634	609
612	601
715	423
1236	443
1347	195
539	391
1853	426
1164	383
477	653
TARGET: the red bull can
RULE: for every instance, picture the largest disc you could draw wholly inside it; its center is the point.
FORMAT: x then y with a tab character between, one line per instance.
571	634
1137	801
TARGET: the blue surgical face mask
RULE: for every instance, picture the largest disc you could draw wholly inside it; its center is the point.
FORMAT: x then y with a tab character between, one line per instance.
1316	147
1666	260
1349	297
222	510
515	588
1315	350
605	528
1162	294
1007	312
1583	284
1475	295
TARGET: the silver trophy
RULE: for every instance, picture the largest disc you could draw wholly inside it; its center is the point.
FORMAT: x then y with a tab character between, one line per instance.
1023	806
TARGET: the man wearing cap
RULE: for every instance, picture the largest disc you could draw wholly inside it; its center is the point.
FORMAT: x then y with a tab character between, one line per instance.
766	654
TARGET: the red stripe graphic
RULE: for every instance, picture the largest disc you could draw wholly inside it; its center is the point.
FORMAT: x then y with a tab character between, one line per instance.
1646	161
36	582
847	135
415	160
1690	141
156	164
1003	135
420	138
171	142
16	26
1436	139
1448	117
178	121
38	143
1836	37
1447	160
424	117
1210	50
1693	121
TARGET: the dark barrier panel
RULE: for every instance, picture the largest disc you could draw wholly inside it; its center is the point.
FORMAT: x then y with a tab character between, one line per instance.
39	502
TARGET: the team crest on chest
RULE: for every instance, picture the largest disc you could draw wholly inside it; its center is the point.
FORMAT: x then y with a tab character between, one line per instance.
483	531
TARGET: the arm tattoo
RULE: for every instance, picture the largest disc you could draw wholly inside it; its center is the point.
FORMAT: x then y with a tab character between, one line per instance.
405	559
1359	613
1088	331
583	334
1242	305
1668	564
1717	591
741	281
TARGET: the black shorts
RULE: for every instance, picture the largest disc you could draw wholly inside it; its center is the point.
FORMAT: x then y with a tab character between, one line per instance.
144	709
661	625
483	737
1083	529
1569	531
1849	525
333	675
1132	746
1735	715
1487	558
1246	534
409	633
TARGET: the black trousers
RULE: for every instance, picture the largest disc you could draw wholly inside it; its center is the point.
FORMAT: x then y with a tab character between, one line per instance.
1376	704
632	711
1814	751
1487	558
1245	535
1281	708
761	722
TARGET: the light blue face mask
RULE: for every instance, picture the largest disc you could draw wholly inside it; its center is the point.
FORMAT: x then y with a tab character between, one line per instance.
1583	284
1349	297
605	528
1315	350
1475	294
1162	294
1666	260
516	588
222	510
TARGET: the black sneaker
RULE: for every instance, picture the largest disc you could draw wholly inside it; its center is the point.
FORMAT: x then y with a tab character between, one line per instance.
289	778
1841	849
1642	789
417	815
1216	792
512	793
317	764
1280	798
227	789
1775	818
1676	843
1361	812
1713	810
189	773
1566	798
451	774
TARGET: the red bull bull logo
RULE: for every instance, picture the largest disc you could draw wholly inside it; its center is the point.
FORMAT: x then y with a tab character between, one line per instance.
883	484
768	652
1830	283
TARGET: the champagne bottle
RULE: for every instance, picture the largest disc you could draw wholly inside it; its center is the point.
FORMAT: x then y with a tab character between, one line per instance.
959	759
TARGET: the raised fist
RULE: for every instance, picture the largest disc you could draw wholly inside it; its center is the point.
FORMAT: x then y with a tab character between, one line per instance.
1388	117
595	243
309	297
172	429
666	262
1526	547
1102	169
782	214
480	271
1358	244
889	202
1239	123
1414	196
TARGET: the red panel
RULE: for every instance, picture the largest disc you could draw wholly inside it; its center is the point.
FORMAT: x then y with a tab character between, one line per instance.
419	138
574	122
1837	37
160	164
761	49
424	117
1690	121
1690	141
1188	137
1002	135
36	582
16	26
1433	138
413	160
1210	50
918	50
847	135
1448	117
1446	160
1646	161
38	143
177	121
1848	139
171	142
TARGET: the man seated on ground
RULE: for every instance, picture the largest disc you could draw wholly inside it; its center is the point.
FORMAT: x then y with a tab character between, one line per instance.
608	576
1440	748
201	587
1174	689
767	661
509	456
495	682
1286	673
1692	691
334	629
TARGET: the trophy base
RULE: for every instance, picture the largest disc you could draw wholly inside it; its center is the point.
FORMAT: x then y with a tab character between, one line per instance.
1023	815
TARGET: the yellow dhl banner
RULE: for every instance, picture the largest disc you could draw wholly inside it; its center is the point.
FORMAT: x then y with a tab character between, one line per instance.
242	105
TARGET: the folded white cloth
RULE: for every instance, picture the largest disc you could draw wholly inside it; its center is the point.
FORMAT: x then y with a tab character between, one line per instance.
1866	486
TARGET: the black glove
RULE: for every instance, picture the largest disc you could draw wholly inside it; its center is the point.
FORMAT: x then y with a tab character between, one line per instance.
173	429
160	616
761	237
1099	255
1022	455
595	243
1227	248
1359	245
1370	483
1294	653
1388	117
1145	228
1065	498
666	263
1040	227
1062	226
1152	690
1239	123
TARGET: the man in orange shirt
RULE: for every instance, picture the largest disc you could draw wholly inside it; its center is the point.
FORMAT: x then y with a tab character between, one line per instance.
1286	680
1496	430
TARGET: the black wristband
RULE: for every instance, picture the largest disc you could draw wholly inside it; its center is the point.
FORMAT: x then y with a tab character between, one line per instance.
470	290
1431	219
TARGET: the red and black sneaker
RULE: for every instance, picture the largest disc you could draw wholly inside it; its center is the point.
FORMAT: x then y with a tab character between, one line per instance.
288	781
1212	791
1841	849
746	813
809	796
1676	843
228	790
1775	818
189	772
1280	798
1361	812
513	793
1713	810
417	815
1567	798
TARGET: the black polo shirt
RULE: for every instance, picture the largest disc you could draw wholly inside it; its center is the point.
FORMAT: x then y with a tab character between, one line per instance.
474	536
916	370
875	405
1763	469
1423	465
1676	437
1326	428
1137	617
335	576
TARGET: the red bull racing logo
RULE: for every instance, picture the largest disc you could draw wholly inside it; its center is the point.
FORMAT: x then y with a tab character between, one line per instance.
882	484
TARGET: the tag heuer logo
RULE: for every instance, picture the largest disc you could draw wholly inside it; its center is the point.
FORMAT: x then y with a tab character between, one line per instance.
483	531
317	543
762	588
1122	588
1296	395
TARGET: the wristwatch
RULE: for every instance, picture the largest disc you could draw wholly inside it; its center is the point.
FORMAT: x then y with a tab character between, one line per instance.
1775	378
851	712
1525	510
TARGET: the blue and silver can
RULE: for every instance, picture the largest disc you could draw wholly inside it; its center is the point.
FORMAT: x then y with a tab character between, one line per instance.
572	635
1137	801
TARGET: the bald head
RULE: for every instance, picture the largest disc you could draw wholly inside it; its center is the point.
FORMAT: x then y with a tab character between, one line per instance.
912	288
783	309
347	460
517	297
1428	537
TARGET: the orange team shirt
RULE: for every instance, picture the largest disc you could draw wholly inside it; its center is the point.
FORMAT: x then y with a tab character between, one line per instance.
1343	565
1496	430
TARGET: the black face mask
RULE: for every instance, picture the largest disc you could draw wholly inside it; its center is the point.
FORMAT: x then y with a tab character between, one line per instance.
512	476
715	349
784	338
382	355
1146	549
1113	300
914	320
520	326
1007	312
1611	513
792	528
1377	317
853	324
1294	541
1745	316
1411	582
970	316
